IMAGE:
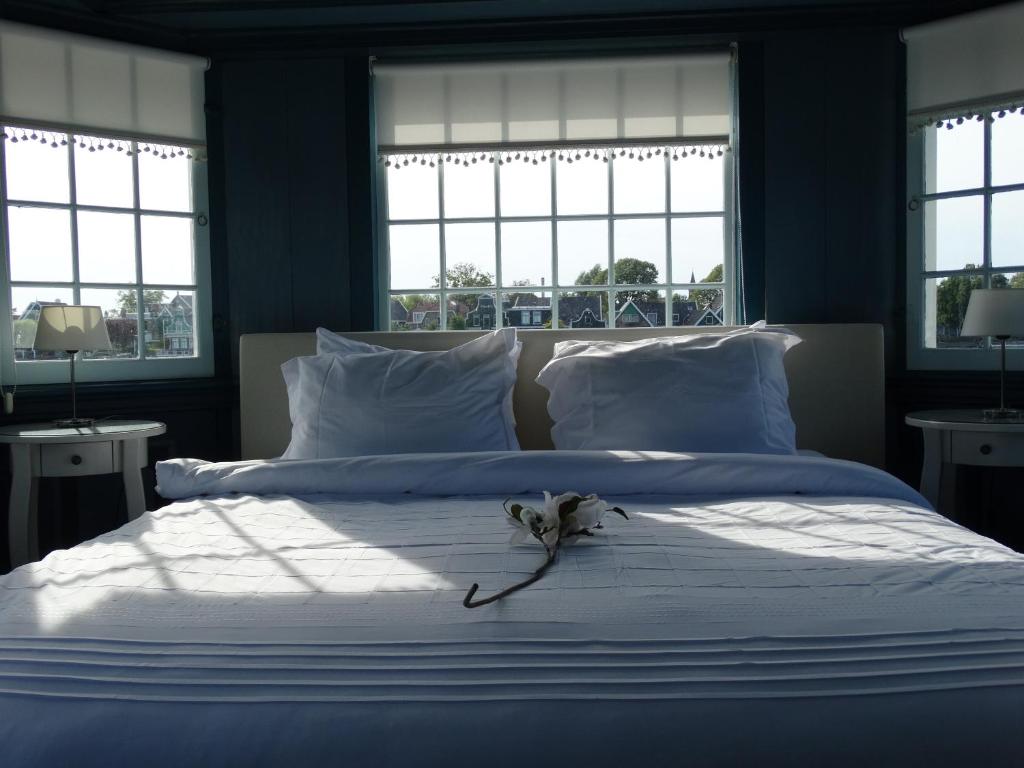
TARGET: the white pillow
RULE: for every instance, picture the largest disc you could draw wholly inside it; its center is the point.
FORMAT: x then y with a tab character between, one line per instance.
329	342
705	393
397	401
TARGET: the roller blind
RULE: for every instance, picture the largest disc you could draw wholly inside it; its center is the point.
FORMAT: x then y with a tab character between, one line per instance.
966	65
476	105
57	79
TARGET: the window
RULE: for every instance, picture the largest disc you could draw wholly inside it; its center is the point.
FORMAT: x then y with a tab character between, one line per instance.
965	177
965	227
545	228
98	220
565	194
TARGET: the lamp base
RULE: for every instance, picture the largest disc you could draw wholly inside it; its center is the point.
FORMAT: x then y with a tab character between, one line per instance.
1002	414
77	422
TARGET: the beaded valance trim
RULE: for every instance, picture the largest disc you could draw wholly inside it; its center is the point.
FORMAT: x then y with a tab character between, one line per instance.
56	139
401	158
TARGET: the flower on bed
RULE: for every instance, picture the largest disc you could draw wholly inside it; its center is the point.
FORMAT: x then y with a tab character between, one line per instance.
560	519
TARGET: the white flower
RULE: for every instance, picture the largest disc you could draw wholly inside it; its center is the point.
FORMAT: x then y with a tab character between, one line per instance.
587	515
528	524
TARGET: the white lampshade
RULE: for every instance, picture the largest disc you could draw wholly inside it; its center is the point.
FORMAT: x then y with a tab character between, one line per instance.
994	312
65	327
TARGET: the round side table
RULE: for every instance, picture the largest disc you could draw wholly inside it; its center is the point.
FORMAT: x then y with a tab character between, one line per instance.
44	450
964	437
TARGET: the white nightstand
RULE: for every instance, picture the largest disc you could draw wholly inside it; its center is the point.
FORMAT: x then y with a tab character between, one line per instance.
964	437
44	450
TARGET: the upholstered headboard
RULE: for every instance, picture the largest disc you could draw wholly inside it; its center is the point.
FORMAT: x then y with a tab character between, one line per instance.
836	383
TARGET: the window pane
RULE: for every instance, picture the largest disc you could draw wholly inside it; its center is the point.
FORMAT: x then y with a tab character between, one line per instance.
527	309
525	188
468	190
412	192
582	186
698	184
168	321
167	250
526	253
639	183
698	249
40	244
1008	229
472	312
37	171
415	312
698	307
165	184
639	251
106	247
953	233
1009	280
469	255
582	309
954	158
26	301
121	318
415	256
582	253
945	306
104	177
1008	149
639	309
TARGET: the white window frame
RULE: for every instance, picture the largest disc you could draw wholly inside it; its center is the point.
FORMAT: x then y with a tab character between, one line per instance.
492	155
920	151
115	369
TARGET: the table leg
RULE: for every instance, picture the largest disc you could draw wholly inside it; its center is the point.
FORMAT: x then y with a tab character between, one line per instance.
931	469
133	457
22	522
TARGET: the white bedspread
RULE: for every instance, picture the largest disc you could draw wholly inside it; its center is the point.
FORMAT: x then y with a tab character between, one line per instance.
309	612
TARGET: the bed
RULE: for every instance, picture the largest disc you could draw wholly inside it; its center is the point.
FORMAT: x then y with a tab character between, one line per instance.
754	609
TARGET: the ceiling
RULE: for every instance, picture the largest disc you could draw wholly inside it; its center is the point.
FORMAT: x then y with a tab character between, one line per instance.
198	24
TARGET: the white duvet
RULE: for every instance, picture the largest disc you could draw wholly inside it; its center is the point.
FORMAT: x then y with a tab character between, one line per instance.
767	609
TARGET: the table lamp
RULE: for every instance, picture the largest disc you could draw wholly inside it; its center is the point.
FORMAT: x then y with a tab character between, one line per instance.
996	312
69	328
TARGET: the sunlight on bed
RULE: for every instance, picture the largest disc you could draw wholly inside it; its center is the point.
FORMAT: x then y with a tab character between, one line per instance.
214	554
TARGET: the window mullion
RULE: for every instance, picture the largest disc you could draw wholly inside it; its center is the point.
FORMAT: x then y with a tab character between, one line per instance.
987	209
76	292
442	279
140	294
610	322
554	243
499	314
669	294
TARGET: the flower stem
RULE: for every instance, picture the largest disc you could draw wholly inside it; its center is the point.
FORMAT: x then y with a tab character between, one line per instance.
468	600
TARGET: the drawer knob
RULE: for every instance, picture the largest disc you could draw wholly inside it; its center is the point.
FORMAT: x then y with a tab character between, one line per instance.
986	449
76	459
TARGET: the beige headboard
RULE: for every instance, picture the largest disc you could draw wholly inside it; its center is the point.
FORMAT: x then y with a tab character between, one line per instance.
836	382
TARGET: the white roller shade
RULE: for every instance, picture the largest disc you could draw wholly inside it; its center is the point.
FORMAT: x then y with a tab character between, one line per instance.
615	99
51	78
966	64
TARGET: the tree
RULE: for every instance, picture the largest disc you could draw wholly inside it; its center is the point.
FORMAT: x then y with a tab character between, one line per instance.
465	275
413	301
706	297
128	300
627	272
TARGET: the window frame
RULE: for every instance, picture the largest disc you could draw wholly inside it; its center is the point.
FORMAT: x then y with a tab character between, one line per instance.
491	155
201	364
919	356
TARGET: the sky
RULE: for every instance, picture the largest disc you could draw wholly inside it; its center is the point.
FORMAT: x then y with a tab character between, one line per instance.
959	238
696	185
